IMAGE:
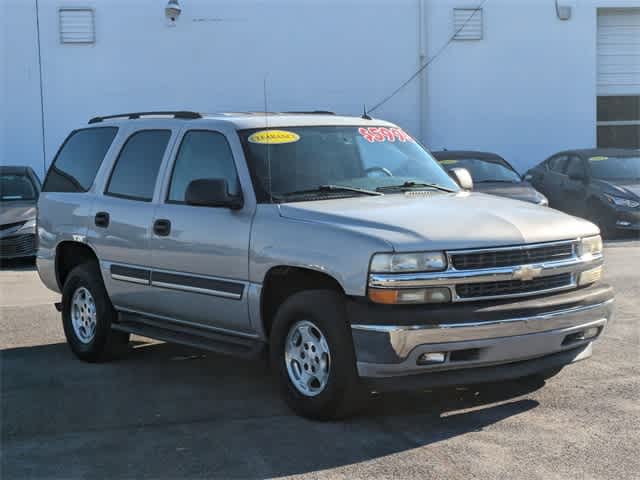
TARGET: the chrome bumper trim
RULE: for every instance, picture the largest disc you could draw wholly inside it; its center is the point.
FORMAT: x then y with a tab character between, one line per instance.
455	332
456	277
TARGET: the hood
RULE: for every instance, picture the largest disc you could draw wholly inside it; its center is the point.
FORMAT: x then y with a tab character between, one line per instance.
17	211
518	191
443	221
625	188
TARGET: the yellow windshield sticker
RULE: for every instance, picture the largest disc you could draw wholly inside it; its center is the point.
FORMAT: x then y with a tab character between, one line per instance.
598	159
448	162
274	137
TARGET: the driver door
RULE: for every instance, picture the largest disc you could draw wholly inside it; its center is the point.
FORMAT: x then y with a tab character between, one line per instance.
200	254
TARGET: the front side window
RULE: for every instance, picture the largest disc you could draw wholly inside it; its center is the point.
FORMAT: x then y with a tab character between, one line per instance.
136	169
484	170
575	168
615	167
74	168
16	187
203	154
559	164
290	161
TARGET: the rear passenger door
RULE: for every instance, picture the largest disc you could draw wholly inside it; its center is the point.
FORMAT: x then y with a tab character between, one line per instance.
122	216
200	255
554	180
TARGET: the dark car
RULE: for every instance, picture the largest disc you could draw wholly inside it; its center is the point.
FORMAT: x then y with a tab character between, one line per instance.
19	191
602	185
491	174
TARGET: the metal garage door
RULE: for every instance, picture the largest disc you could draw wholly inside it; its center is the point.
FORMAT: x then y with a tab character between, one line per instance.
619	77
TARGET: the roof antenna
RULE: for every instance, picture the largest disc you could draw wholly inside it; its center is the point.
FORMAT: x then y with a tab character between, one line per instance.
365	115
267	145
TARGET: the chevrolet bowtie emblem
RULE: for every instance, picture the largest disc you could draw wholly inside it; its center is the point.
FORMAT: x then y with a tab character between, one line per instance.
526	273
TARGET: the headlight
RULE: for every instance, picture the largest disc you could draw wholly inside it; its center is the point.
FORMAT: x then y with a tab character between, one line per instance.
622	202
29	225
408	262
590	246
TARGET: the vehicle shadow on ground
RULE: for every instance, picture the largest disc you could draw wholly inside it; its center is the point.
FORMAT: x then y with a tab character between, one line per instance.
167	411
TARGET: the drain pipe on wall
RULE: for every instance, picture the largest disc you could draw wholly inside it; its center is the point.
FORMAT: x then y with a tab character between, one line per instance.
422	80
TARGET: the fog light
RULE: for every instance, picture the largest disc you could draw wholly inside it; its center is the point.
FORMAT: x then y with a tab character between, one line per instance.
591	332
590	276
433	357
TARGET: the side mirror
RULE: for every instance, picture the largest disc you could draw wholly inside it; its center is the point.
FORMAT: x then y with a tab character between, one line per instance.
462	177
212	192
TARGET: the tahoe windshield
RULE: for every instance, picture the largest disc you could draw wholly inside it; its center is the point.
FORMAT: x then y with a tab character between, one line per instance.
615	168
15	187
293	162
483	171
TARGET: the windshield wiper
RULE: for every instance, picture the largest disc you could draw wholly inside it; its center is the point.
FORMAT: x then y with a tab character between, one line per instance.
496	181
331	188
407	185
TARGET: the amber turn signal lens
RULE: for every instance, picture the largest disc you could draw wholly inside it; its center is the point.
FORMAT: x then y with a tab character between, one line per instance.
388	297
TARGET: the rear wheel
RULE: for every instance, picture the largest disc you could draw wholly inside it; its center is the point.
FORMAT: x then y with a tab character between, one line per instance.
312	355
87	315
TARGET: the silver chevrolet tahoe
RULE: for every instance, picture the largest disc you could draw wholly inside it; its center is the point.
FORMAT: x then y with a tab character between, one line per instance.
336	244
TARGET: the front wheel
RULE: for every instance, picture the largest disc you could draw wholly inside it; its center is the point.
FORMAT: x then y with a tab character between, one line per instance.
313	357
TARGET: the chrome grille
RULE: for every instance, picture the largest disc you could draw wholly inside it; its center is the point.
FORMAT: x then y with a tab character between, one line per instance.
513	287
511	257
16	246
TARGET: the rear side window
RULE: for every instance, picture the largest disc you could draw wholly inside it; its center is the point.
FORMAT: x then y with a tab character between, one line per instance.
203	154
74	168
136	170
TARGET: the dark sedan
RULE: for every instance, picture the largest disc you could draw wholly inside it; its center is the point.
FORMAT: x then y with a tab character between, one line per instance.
602	185
19	191
491	174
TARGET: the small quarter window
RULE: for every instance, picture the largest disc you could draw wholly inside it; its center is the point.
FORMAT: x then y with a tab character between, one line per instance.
136	169
202	154
78	160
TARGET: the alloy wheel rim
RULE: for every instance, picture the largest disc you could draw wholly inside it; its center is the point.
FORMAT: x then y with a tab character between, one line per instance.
307	358
83	315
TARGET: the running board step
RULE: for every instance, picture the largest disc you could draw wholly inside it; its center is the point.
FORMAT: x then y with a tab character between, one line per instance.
190	336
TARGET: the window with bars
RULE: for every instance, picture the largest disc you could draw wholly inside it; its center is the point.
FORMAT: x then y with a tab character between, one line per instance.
467	24
619	121
77	26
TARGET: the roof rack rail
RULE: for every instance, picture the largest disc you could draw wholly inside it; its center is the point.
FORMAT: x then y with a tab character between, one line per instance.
312	112
185	115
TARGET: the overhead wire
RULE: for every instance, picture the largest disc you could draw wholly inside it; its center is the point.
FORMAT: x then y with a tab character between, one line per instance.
429	61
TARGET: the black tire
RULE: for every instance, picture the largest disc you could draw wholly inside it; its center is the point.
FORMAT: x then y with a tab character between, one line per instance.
343	393
106	343
602	218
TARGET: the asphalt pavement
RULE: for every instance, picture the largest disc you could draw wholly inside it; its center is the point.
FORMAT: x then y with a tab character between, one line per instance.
167	411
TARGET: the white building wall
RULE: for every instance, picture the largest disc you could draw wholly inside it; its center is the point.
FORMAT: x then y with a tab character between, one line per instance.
526	90
20	118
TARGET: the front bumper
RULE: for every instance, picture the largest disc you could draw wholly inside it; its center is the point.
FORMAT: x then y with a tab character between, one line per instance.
477	335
